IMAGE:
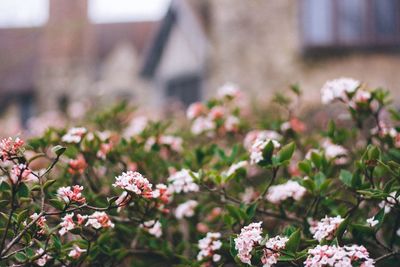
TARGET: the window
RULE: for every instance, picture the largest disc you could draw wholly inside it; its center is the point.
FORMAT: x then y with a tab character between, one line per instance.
22	13
185	89
350	24
106	11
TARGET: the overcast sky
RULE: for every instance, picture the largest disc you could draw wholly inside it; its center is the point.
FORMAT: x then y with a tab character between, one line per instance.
25	13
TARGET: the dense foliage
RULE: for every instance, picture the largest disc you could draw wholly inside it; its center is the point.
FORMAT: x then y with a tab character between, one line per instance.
224	188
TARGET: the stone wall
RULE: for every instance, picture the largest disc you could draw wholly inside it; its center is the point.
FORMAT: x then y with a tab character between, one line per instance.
257	44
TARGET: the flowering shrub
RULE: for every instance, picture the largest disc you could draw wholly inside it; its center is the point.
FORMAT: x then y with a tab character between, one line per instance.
225	187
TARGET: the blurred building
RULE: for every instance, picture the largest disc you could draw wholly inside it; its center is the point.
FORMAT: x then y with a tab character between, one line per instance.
70	59
262	45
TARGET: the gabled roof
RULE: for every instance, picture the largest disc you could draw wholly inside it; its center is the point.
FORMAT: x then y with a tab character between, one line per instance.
154	53
190	17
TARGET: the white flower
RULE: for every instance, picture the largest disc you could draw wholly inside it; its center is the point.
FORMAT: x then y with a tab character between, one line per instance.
153	227
208	245
232	169
228	90
249	236
338	89
202	124
182	181
134	182
67	224
257	148
326	228
76	252
271	252
43	259
174	142
278	193
98	220
335	256
255	134
231	123
337	152
186	209
136	126
372	222
74	135
389	203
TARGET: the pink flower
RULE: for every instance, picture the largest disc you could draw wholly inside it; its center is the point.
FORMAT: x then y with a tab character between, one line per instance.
162	193
74	195
76	252
182	181
134	182
21	173
252	136
231	123
186	209
195	110
338	89
105	148
40	223
216	113
9	147
326	228
229	90
99	220
353	255
174	142
249	237
153	227
208	246
42	260
202	124
278	193
78	165
271	252
74	135
67	224
256	150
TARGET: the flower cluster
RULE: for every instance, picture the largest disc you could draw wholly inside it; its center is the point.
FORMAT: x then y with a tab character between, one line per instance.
69	195
182	181
21	173
134	182
252	136
208	247
43	257
249	237
256	150
9	147
40	223
78	165
326	228
74	135
99	219
67	224
186	209
336	152
338	89
278	193
348	256
217	117
271	251
153	227
76	252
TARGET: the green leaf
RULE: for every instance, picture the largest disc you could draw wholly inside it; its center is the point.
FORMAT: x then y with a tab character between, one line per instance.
58	150
342	228
232	248
56	242
251	211
56	203
286	152
234	212
20	257
346	177
22	216
48	183
267	153
23	190
373	153
293	243
305	167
